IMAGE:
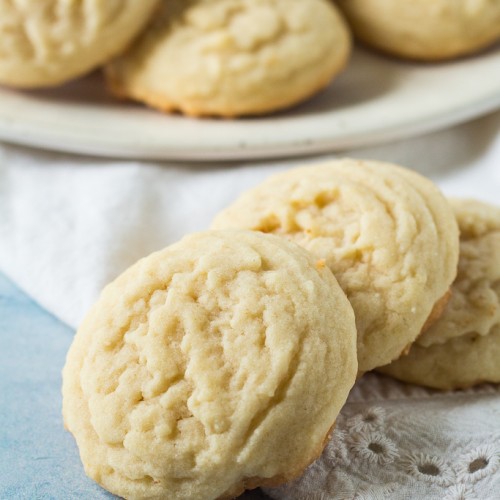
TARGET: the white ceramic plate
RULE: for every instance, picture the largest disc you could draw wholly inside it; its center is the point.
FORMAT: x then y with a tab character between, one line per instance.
376	99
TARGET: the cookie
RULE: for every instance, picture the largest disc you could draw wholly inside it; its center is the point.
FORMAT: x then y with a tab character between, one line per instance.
459	363
47	42
216	364
233	57
463	347
387	233
424	29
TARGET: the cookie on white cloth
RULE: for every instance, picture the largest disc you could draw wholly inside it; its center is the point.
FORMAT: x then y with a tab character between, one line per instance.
233	57
387	233
462	348
217	364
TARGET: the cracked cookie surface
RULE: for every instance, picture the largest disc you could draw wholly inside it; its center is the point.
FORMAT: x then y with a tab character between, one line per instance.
233	57
47	42
425	29
462	348
388	235
217	363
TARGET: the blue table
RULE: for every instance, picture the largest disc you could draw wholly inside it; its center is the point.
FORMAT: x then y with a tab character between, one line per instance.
38	458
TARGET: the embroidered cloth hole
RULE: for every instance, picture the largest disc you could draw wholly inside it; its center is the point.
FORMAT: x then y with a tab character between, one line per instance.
376	448
429	469
478	464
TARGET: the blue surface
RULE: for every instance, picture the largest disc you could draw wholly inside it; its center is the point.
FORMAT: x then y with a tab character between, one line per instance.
38	458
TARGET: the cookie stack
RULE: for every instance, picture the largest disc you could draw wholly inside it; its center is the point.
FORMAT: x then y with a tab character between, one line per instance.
222	362
226	57
462	348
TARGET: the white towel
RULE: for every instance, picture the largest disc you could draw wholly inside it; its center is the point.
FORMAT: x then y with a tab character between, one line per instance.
70	224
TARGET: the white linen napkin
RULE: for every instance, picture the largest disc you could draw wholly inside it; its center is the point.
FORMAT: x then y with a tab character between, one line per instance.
69	225
394	441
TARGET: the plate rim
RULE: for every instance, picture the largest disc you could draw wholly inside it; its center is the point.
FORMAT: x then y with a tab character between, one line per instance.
31	133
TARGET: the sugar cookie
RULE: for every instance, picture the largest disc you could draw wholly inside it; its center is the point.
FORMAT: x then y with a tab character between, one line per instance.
216	364
47	42
463	347
425	29
387	233
459	363
234	57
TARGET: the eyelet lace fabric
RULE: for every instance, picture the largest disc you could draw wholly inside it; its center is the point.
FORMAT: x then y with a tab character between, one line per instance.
396	441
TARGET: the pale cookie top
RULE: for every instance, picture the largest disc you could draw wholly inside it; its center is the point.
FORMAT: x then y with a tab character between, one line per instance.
425	29
216	363
45	42
387	233
231	57
474	307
